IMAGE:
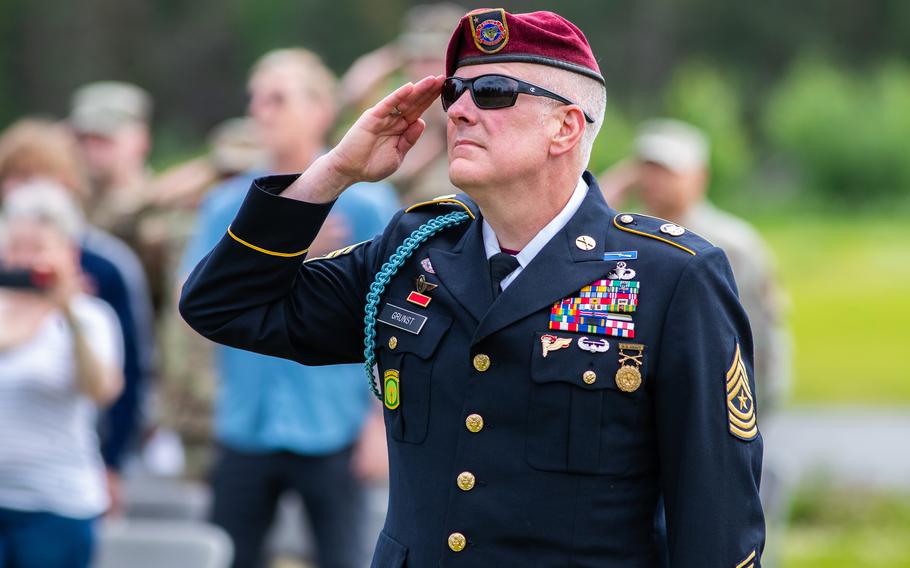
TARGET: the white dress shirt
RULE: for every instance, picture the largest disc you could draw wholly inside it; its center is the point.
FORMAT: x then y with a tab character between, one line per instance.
527	254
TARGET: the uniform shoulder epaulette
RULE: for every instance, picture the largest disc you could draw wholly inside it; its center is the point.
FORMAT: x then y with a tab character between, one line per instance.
661	230
451	199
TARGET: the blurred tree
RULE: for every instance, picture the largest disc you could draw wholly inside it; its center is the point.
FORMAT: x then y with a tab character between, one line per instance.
613	143
194	56
700	95
847	132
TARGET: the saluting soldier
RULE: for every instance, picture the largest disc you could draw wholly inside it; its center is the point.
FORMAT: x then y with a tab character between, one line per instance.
549	366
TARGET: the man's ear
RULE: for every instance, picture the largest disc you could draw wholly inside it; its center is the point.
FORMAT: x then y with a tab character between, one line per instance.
570	131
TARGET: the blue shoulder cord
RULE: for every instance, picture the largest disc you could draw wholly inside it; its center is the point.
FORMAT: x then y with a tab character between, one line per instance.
385	274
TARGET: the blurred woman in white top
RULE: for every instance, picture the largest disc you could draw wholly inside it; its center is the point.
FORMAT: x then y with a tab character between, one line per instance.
60	360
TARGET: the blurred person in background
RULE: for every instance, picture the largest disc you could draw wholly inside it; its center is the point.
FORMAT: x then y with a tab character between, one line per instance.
60	360
35	149
669	173
417	52
110	119
280	426
111	123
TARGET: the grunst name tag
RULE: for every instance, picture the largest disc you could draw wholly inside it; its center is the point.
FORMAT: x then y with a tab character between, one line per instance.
402	319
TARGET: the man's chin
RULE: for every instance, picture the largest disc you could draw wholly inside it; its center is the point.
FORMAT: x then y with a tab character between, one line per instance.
464	174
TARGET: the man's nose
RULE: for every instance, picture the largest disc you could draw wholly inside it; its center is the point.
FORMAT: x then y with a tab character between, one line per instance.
463	109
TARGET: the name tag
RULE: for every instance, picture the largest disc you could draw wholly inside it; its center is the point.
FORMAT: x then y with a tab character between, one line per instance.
402	319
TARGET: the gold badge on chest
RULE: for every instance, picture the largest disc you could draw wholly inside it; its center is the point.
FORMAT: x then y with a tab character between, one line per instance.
628	376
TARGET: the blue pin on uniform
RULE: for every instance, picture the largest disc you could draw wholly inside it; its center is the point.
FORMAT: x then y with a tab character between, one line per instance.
621	255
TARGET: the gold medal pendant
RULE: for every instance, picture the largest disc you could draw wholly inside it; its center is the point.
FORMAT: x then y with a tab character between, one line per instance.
628	378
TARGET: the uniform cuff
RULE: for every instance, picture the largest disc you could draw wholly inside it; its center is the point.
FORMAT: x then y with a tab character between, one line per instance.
276	225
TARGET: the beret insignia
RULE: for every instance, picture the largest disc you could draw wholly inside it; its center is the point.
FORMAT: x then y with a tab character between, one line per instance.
490	30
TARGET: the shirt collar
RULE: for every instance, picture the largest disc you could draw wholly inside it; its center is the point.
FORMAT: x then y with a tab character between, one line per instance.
527	254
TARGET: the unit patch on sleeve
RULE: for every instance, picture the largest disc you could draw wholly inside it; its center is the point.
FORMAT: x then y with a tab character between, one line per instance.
740	402
390	389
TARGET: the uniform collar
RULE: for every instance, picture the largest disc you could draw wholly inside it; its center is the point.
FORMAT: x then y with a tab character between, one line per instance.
527	254
572	258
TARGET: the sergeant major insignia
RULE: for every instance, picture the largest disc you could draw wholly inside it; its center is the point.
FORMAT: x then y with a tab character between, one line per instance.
490	30
740	402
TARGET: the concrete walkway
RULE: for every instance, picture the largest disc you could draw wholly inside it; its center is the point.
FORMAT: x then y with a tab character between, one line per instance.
869	447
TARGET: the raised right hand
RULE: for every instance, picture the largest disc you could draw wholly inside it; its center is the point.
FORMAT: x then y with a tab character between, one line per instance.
376	144
373	148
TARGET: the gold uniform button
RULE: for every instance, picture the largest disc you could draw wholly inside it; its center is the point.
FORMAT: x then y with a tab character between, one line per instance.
474	422
457	542
393	342
466	481
481	362
589	377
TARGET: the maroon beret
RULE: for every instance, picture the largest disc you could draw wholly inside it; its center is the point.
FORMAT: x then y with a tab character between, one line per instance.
496	36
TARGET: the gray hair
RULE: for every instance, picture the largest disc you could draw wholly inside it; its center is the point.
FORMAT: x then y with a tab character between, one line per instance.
588	93
45	202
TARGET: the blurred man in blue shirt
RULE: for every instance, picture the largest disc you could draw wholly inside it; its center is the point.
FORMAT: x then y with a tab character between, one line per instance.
282	426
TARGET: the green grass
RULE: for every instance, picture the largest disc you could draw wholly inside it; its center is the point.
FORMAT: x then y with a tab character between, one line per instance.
847	529
849	285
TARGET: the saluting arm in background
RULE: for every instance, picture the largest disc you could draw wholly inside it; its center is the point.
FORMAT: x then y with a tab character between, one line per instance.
252	292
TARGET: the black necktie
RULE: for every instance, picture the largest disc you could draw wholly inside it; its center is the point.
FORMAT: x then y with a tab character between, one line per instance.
501	265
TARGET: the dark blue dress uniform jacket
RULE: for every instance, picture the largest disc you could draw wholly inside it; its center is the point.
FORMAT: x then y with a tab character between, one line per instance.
563	472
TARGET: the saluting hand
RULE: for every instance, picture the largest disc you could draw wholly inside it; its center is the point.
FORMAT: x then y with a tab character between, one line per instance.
375	145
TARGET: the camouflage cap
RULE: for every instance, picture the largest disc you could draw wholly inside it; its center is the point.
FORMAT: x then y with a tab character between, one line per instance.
675	145
427	30
106	106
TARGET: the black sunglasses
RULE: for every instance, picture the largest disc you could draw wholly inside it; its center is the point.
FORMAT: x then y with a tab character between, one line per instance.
495	91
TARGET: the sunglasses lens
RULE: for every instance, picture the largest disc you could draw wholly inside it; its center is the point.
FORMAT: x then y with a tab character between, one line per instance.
494	92
452	88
